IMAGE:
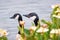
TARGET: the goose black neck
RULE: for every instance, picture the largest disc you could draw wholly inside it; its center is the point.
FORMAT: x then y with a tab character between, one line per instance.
20	19
36	21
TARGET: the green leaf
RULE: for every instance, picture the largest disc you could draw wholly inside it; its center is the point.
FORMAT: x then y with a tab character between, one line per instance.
54	26
53	12
59	37
26	31
19	28
3	38
46	22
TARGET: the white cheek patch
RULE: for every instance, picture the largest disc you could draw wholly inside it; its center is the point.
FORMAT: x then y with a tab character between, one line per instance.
33	18
17	17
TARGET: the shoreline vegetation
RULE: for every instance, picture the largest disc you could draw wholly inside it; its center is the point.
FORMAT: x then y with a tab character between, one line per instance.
49	30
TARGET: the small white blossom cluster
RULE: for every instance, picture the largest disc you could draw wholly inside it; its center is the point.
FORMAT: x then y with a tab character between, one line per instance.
57	16
57	11
3	32
40	30
55	31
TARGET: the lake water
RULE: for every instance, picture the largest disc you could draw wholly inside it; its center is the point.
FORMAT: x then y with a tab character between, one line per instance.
9	7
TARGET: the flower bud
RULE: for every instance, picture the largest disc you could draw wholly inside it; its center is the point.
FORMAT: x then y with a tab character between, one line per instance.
44	25
22	22
33	28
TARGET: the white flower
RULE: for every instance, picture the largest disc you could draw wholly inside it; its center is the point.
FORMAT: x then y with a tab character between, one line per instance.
3	32
57	16
41	29
54	15
45	30
54	31
33	28
57	11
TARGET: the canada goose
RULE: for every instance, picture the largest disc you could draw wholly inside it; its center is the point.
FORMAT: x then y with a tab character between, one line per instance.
34	17
19	17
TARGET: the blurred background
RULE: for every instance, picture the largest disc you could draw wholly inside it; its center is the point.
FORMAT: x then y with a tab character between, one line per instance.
10	7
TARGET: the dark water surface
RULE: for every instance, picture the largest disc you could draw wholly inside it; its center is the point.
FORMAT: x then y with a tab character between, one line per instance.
9	7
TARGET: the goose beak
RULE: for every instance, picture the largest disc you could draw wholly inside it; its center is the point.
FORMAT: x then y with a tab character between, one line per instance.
12	17
27	16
